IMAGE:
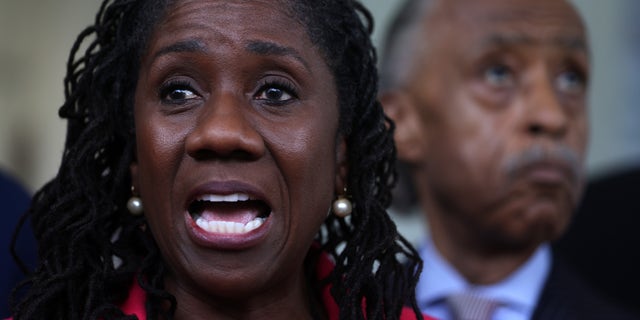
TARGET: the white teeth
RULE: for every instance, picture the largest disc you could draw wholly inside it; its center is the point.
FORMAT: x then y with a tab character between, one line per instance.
202	223
234	197
229	227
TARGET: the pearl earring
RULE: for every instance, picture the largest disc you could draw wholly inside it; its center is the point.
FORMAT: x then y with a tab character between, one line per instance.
342	206
134	204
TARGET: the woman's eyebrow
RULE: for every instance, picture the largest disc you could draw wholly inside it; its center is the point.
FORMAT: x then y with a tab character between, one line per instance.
192	45
271	48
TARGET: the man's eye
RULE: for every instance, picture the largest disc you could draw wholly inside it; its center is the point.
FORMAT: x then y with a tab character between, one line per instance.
571	81
498	75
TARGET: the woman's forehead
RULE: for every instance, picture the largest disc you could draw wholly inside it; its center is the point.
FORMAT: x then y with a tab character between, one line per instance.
228	21
275	8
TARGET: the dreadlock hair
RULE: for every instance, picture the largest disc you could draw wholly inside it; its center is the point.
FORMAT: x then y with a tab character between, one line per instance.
91	248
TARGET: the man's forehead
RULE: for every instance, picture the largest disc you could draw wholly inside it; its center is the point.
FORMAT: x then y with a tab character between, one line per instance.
539	13
512	39
511	22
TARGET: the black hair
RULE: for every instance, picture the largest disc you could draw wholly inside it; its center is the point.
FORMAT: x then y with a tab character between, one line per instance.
91	248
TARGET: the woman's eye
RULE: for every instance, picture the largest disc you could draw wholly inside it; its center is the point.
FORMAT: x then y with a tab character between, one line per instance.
177	93
181	94
571	82
275	94
498	75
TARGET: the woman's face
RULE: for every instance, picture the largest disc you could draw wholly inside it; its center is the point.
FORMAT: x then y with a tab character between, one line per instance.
238	160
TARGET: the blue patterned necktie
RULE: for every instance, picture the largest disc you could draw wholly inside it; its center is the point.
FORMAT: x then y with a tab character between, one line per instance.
470	306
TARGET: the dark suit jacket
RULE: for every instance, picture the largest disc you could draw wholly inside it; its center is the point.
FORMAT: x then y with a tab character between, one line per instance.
602	242
567	297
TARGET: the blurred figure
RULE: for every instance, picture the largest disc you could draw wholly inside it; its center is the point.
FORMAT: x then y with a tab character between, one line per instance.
490	102
602	241
14	200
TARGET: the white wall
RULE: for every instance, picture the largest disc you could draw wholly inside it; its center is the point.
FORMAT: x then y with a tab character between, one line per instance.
35	38
615	111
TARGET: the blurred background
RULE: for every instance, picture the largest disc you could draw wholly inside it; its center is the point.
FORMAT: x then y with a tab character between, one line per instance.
36	36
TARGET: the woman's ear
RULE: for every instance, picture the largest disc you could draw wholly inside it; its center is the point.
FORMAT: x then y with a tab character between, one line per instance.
342	168
410	136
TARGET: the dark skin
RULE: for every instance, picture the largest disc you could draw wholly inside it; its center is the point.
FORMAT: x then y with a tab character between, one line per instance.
233	98
497	84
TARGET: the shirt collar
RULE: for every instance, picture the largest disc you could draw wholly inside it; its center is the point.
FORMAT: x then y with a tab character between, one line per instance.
520	290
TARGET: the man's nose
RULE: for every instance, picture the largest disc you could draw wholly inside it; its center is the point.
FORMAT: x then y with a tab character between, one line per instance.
545	114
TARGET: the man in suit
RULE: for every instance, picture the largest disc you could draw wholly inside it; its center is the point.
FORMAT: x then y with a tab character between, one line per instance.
490	102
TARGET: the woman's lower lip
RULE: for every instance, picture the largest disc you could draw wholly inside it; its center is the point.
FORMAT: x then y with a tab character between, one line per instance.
226	241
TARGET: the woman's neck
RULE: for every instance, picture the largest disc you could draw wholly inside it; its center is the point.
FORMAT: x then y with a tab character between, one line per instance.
290	299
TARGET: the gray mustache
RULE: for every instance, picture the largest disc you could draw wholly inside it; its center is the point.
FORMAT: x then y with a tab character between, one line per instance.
538	154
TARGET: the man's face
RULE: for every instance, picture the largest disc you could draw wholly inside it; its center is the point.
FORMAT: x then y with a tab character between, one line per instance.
500	88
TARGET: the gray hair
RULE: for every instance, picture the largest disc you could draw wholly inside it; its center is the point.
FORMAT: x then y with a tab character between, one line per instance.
400	43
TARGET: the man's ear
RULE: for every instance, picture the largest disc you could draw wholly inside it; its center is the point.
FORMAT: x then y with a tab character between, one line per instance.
409	134
342	166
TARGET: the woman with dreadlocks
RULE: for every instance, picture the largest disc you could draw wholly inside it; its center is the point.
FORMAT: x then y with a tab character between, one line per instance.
224	159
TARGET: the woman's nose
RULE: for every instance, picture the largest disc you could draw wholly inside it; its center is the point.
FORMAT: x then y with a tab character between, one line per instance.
224	130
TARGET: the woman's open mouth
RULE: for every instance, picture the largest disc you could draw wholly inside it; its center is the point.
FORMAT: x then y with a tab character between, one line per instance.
228	214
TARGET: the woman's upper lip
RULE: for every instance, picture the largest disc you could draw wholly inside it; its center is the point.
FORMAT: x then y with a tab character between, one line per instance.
225	188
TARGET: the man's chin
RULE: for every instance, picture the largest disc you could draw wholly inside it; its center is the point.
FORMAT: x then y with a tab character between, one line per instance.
522	239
